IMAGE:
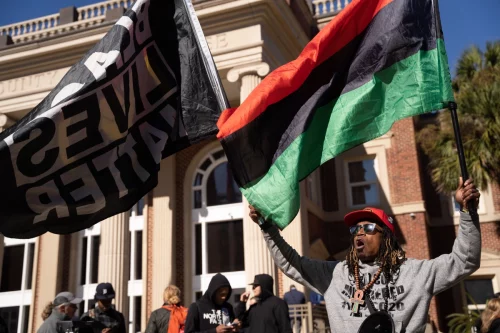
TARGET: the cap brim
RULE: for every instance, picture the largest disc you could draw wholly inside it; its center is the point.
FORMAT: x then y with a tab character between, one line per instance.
102	297
359	215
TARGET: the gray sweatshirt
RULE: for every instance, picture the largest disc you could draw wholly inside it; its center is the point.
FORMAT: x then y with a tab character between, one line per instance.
410	292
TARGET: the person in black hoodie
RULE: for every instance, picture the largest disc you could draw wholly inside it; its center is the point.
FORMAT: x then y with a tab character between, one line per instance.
212	313
269	314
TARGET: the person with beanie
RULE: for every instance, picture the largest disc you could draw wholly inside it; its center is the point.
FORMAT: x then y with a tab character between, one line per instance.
269	314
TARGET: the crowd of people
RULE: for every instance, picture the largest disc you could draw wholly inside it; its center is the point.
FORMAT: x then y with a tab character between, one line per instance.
375	278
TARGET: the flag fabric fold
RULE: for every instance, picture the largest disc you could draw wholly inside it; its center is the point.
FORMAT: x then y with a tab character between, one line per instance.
375	63
92	148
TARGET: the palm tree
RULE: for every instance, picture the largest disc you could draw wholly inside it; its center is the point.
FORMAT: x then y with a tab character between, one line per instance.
477	92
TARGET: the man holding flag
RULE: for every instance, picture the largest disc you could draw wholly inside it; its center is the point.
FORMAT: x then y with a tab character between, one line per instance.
376	275
377	62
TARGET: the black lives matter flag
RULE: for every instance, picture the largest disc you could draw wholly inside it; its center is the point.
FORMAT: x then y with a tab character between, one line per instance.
92	148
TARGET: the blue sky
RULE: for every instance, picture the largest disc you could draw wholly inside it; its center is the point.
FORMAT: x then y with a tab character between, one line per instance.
465	22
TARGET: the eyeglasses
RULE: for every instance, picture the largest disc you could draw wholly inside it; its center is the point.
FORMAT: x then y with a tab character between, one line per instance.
369	228
255	286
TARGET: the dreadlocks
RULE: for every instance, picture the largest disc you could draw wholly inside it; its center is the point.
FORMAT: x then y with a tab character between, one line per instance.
390	254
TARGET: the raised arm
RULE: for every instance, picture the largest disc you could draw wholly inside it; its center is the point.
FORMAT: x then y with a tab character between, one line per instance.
315	274
448	269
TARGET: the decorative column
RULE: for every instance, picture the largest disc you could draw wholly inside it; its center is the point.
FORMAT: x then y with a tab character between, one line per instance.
257	257
5	122
249	75
114	258
163	254
48	262
297	235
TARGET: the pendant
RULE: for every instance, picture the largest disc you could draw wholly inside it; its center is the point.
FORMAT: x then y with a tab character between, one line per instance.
357	301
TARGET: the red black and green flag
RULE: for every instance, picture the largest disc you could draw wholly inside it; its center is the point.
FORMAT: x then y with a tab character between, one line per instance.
378	61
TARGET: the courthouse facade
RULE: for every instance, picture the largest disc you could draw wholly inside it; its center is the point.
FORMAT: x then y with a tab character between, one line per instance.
195	222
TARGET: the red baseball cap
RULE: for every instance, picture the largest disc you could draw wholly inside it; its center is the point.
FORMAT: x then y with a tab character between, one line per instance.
369	213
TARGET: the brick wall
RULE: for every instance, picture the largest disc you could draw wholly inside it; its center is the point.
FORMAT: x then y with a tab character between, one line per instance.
279	276
402	164
149	249
412	235
432	199
496	196
35	309
490	236
405	183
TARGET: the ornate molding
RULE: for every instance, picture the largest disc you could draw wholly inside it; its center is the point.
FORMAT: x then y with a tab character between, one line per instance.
261	69
5	122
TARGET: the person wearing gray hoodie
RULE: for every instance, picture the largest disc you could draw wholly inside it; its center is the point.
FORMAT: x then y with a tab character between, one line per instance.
376	269
63	308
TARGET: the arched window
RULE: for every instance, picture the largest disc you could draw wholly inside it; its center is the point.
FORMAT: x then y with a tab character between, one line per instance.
217	219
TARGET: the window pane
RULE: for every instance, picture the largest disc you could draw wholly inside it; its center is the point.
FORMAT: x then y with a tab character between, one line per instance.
205	164
137	314
221	187
235	296
362	171
83	267
366	194
96	243
138	255
225	247
197	245
29	269
198	179
12	268
479	289
26	317
11	317
197	199
218	155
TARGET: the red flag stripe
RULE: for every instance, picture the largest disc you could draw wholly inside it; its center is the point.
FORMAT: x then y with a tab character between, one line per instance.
283	81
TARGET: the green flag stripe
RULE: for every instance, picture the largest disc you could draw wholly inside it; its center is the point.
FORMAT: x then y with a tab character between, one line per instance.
415	85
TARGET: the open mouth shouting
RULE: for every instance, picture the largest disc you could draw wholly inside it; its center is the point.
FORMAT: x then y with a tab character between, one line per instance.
359	244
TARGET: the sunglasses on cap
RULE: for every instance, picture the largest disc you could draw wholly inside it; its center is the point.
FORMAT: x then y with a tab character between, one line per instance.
369	228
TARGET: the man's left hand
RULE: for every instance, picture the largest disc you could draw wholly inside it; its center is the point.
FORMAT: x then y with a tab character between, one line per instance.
467	192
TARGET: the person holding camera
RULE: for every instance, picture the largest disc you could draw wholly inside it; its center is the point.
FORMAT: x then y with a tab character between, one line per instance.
62	308
104	312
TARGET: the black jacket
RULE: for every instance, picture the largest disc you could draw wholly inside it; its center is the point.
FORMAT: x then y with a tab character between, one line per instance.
495	326
205	315
158	321
268	315
110	318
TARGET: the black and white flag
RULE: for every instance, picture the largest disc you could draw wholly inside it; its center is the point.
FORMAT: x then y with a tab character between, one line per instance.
92	148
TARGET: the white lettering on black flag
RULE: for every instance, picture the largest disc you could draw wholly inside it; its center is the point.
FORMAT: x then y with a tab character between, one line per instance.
93	146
